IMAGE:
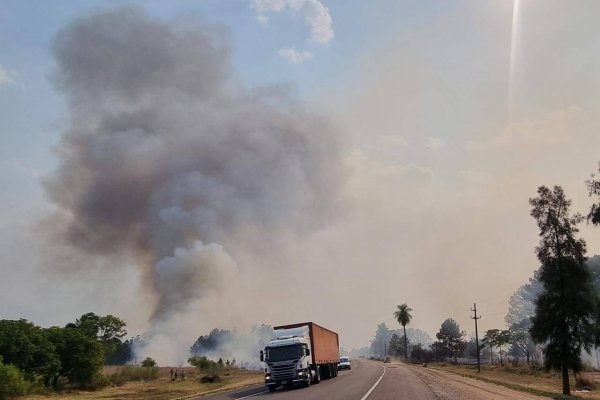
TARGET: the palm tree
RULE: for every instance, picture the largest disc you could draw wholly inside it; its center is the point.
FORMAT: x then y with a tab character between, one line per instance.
402	315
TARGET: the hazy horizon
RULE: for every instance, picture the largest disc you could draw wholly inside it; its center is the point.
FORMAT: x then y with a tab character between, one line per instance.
315	161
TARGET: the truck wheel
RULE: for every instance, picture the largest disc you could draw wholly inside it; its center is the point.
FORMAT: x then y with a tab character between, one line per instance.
308	381
317	375
335	371
272	388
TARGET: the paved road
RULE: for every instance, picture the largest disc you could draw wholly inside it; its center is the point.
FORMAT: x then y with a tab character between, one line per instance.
375	381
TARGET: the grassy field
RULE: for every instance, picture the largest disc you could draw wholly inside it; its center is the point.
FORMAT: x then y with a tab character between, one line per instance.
163	388
526	379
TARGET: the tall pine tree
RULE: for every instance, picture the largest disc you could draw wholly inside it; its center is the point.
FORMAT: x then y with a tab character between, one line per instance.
564	313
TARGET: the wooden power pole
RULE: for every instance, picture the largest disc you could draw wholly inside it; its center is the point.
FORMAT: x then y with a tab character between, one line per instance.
475	317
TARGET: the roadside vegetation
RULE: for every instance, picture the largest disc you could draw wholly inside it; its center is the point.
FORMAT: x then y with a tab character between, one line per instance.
553	321
91	354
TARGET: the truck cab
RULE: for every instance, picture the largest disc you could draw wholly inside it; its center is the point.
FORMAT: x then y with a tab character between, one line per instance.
287	358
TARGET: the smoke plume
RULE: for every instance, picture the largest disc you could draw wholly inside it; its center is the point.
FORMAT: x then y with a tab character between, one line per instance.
169	163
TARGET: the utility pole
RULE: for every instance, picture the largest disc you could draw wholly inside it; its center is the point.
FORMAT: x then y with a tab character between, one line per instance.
475	317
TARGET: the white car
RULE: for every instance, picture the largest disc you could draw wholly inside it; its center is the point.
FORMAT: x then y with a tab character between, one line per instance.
344	363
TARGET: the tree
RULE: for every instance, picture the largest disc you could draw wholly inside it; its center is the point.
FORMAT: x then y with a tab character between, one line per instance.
451	335
12	382
502	340
566	306
521	304
148	363
81	357
490	339
26	346
379	343
110	331
202	362
419	354
211	342
593	185
395	346
520	339
402	315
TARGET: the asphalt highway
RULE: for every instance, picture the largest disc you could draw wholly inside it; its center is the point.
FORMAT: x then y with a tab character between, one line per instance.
366	380
376	381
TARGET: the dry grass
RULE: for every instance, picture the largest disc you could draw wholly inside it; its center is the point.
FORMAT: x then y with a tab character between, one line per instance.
163	388
527	379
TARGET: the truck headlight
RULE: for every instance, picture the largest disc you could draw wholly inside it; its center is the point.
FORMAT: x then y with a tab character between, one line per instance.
300	373
267	377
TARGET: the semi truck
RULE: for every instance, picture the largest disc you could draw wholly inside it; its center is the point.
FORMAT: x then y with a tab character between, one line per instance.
302	353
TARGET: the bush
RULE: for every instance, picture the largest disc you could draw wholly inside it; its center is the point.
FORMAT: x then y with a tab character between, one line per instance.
210	379
133	373
148	363
12	382
584	382
98	381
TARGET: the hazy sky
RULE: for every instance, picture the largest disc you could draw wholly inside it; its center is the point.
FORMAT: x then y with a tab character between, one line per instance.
443	140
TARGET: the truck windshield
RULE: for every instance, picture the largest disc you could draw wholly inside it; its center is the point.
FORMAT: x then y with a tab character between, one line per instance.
283	353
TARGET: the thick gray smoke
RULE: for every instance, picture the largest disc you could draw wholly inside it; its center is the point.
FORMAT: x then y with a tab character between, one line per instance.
169	161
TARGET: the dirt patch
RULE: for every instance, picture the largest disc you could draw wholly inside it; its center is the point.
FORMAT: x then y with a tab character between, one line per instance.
521	378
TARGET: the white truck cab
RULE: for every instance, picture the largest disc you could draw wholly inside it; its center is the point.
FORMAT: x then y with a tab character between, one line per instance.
287	358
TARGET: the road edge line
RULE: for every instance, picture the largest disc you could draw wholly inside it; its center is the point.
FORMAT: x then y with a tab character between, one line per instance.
252	395
375	385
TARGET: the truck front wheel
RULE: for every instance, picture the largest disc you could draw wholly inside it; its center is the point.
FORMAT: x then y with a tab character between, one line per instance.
308	380
317	374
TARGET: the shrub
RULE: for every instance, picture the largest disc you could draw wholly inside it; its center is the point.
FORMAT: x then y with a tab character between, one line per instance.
148	363
210	379
12	382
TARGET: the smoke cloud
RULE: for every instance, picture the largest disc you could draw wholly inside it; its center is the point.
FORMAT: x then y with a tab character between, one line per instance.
169	163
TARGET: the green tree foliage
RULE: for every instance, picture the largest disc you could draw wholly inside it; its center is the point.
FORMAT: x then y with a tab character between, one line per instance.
502	340
520	339
395	346
452	337
593	185
490	339
212	342
81	357
402	315
204	364
565	308
26	346
557	227
12	382
420	354
148	363
110	331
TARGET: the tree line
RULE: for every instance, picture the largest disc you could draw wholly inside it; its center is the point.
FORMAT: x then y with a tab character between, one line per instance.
55	357
558	310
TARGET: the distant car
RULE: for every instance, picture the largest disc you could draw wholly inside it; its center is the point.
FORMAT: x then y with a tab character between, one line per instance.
344	363
387	359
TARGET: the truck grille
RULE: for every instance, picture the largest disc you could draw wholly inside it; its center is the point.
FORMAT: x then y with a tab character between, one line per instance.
281	372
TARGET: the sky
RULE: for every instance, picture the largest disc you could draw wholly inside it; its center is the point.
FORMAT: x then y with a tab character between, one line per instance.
445	118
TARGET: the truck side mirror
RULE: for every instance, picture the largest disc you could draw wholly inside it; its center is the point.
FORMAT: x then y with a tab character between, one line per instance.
262	355
308	352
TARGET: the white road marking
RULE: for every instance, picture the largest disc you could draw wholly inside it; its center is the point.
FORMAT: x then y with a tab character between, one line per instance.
252	395
375	385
